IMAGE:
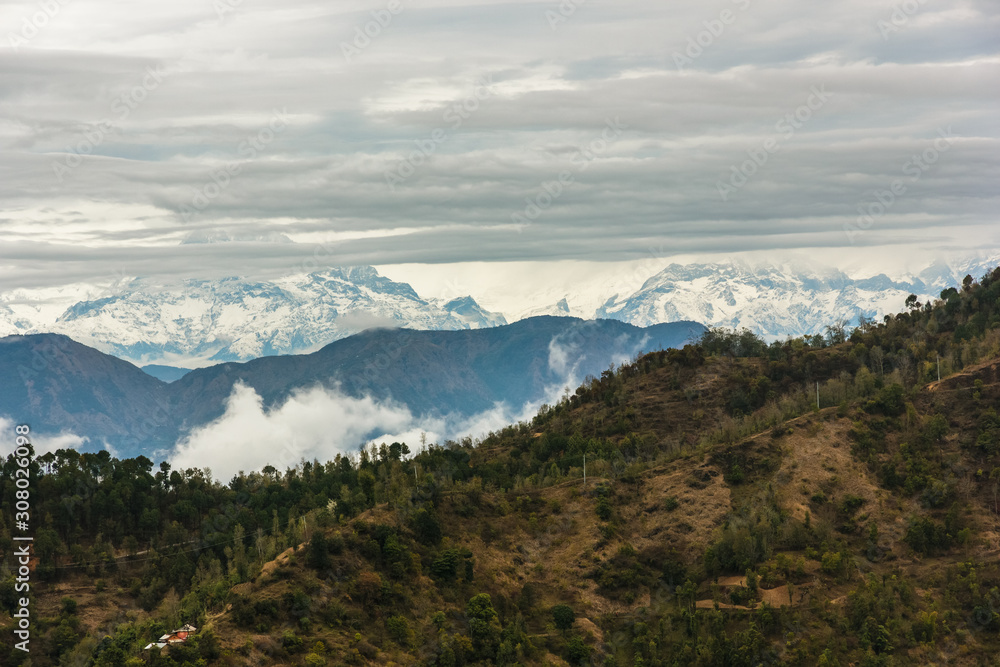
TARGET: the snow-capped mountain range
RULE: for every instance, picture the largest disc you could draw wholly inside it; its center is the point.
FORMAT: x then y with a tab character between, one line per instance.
204	322
235	319
777	301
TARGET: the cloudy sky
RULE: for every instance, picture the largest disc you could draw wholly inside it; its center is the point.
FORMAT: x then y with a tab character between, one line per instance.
488	133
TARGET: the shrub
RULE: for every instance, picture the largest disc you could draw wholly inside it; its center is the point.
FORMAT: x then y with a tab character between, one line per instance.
563	616
740	596
890	401
399	630
291	642
603	509
988	438
937	494
445	566
622	571
318	556
426	526
926	536
936	429
484	625
832	563
577	653
851	504
735	475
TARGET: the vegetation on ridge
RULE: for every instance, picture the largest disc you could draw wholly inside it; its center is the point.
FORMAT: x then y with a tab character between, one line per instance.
726	519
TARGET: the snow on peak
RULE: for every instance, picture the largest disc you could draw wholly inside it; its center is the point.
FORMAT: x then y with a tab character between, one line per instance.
234	319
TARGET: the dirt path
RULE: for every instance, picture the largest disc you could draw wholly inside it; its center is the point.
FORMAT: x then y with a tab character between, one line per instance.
988	371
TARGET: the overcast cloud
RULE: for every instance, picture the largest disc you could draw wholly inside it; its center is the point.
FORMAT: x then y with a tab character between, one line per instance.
128	130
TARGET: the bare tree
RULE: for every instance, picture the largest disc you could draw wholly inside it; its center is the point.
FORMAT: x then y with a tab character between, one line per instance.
837	332
877	357
865	324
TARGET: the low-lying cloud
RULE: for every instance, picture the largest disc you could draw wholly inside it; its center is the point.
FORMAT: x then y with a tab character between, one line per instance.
312	423
42	443
319	423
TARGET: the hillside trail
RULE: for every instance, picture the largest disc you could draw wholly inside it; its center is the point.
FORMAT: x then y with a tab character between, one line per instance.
990	368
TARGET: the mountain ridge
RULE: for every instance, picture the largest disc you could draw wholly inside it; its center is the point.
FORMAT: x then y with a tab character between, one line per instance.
235	319
776	301
426	374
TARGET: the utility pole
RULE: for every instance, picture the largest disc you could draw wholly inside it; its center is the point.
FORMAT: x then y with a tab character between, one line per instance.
415	480
939	366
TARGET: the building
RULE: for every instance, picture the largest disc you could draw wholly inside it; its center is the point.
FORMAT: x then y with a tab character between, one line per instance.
178	636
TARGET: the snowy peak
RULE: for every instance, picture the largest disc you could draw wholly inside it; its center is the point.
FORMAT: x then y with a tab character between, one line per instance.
234	319
559	309
469	311
361	280
778	301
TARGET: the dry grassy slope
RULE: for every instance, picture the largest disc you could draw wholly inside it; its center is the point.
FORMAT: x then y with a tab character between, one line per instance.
98	612
954	397
556	557
559	550
559	554
677	405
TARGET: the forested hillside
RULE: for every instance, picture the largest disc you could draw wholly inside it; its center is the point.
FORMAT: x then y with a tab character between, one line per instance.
725	519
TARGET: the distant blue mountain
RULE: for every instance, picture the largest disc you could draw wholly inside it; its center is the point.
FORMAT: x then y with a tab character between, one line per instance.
166	373
57	385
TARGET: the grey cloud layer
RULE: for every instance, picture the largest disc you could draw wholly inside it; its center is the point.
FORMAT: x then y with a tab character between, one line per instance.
552	91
